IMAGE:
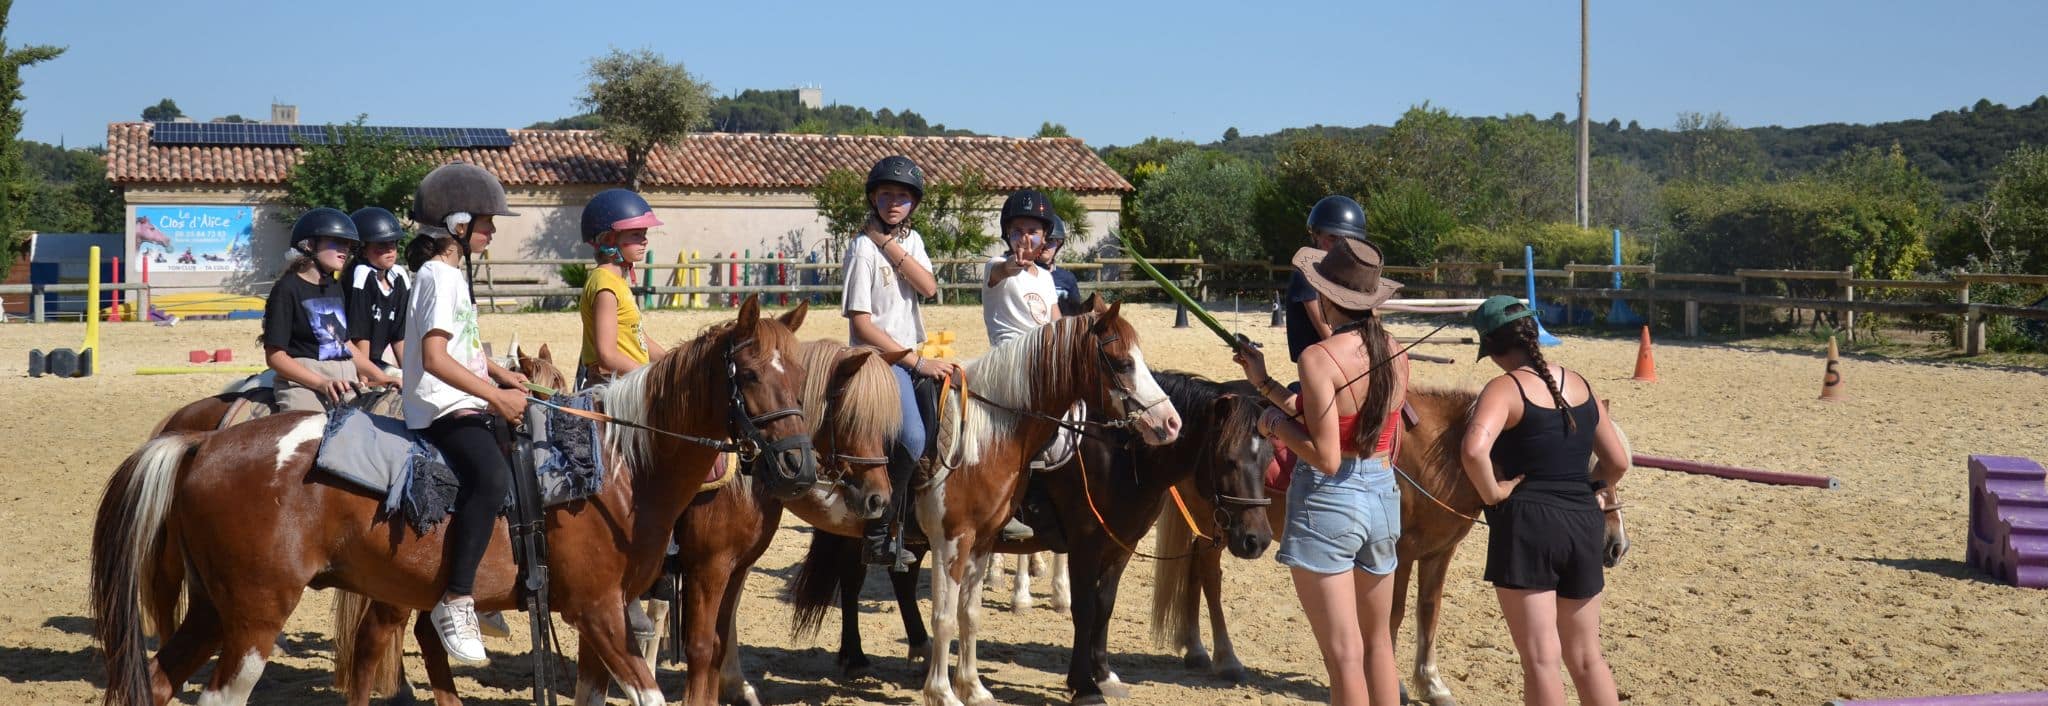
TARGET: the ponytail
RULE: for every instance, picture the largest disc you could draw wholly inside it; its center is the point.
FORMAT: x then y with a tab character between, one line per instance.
1520	335
421	249
1379	384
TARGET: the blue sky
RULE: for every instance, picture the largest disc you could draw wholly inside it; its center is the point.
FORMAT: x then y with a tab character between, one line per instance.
1113	72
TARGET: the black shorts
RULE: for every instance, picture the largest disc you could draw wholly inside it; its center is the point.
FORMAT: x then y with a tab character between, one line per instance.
1537	546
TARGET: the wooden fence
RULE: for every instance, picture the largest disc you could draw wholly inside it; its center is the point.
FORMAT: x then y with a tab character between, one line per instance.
710	282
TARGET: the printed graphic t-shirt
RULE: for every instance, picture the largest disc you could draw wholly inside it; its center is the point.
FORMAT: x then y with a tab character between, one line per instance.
440	302
875	288
1020	303
307	320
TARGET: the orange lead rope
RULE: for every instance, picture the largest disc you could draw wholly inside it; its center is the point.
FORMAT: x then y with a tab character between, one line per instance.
1086	492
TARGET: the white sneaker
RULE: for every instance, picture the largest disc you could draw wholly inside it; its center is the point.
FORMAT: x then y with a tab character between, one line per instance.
457	624
493	624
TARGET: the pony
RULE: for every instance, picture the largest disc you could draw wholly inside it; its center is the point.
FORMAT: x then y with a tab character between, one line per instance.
256	524
1218	457
1438	508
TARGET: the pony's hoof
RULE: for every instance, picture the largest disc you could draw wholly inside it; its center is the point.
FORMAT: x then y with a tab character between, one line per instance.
1198	661
1443	700
404	697
1113	688
854	665
1089	700
1233	673
746	697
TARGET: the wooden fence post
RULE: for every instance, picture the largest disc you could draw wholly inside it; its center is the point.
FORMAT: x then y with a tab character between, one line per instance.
1849	295
1973	327
1963	325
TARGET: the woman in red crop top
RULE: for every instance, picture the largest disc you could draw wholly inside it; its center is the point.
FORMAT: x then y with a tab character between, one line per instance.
1343	509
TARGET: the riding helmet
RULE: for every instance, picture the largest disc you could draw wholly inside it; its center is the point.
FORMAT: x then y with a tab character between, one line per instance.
376	225
1027	204
323	222
1339	216
616	209
897	169
458	187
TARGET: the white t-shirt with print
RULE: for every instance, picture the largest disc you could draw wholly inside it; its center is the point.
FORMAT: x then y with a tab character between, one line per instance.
1020	303
440	302
876	289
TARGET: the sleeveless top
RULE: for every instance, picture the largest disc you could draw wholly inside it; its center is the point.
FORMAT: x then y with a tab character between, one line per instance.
1553	463
1347	425
627	335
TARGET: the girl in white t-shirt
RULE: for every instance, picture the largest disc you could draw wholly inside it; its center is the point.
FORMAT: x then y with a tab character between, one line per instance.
450	395
1020	295
888	275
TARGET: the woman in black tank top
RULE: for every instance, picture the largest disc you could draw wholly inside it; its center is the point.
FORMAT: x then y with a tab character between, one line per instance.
1538	426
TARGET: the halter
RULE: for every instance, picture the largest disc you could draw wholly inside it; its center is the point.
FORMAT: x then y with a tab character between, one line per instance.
748	439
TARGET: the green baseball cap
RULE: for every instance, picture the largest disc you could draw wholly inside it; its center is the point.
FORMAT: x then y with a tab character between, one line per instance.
1493	314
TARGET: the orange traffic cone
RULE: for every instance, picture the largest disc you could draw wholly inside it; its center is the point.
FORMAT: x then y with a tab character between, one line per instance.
1646	363
1831	384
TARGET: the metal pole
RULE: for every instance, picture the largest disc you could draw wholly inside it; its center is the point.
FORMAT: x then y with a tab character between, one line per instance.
1584	216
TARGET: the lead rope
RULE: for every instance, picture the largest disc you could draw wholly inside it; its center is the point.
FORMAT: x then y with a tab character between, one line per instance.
1082	465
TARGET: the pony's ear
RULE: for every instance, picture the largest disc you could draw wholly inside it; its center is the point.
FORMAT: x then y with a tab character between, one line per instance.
750	313
794	318
893	358
1106	316
1094	302
546	354
847	366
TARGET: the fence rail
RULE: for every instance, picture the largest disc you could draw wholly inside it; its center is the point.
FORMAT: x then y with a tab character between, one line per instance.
711	281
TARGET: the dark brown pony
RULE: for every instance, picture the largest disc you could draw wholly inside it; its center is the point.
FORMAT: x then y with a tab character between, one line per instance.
985	443
850	402
250	556
1217	457
1438	507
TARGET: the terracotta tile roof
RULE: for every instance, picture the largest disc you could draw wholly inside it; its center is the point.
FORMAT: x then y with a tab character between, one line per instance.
541	158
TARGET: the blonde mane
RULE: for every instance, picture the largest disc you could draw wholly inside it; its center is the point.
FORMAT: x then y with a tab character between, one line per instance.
867	404
1014	375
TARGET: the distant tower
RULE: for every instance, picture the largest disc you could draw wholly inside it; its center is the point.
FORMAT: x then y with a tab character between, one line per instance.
812	97
281	114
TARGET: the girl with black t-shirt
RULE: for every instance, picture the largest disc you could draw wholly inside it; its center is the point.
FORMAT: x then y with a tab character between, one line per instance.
377	291
305	321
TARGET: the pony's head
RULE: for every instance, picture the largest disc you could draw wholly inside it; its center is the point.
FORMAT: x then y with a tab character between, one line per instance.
765	378
540	369
850	399
1230	461
1126	387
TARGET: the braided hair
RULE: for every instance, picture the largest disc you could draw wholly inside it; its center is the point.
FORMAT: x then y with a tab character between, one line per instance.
1520	335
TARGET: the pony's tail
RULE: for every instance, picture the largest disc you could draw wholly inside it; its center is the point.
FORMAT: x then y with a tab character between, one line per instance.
350	609
127	546
815	589
1174	595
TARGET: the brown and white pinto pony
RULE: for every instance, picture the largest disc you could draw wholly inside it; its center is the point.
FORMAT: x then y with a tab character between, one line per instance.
850	403
985	445
1430	456
257	524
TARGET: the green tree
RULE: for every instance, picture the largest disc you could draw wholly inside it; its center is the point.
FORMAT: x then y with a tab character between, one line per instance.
14	190
355	168
1806	223
842	203
1198	207
2010	224
1708	147
644	102
1052	129
1068	207
1408	222
1624	195
164	111
1230	135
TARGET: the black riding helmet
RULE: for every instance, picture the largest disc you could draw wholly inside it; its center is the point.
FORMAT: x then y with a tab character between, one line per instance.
323	222
1027	204
376	225
1339	216
896	169
1058	236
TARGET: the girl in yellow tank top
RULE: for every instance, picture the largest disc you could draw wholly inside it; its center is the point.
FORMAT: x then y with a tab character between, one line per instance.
615	224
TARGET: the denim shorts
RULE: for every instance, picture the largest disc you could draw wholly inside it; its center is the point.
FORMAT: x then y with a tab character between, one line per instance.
1350	519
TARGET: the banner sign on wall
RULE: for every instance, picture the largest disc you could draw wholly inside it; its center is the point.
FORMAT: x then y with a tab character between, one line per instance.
194	238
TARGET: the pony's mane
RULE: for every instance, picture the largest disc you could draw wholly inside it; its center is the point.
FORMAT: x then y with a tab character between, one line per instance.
1195	396
675	378
867	403
1015	374
1454	407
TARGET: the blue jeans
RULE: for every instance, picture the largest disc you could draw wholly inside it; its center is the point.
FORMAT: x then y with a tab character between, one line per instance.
1340	521
912	435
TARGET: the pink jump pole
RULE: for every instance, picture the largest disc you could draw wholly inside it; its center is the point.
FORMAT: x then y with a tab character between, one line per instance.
2031	698
1749	474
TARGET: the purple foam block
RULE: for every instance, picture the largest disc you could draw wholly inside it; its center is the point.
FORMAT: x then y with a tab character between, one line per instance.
2032	698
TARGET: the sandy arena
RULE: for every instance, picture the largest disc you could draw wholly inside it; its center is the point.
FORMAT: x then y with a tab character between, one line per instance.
1734	593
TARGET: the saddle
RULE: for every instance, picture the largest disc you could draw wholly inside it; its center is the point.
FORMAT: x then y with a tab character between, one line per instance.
377	454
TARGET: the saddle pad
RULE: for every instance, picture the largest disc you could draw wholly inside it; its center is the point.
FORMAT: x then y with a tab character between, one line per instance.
1060	451
379	455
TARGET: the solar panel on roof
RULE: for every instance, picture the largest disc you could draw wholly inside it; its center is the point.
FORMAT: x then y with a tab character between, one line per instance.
294	135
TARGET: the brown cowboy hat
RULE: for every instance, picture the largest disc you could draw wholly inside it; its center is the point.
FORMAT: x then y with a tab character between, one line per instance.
1349	274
